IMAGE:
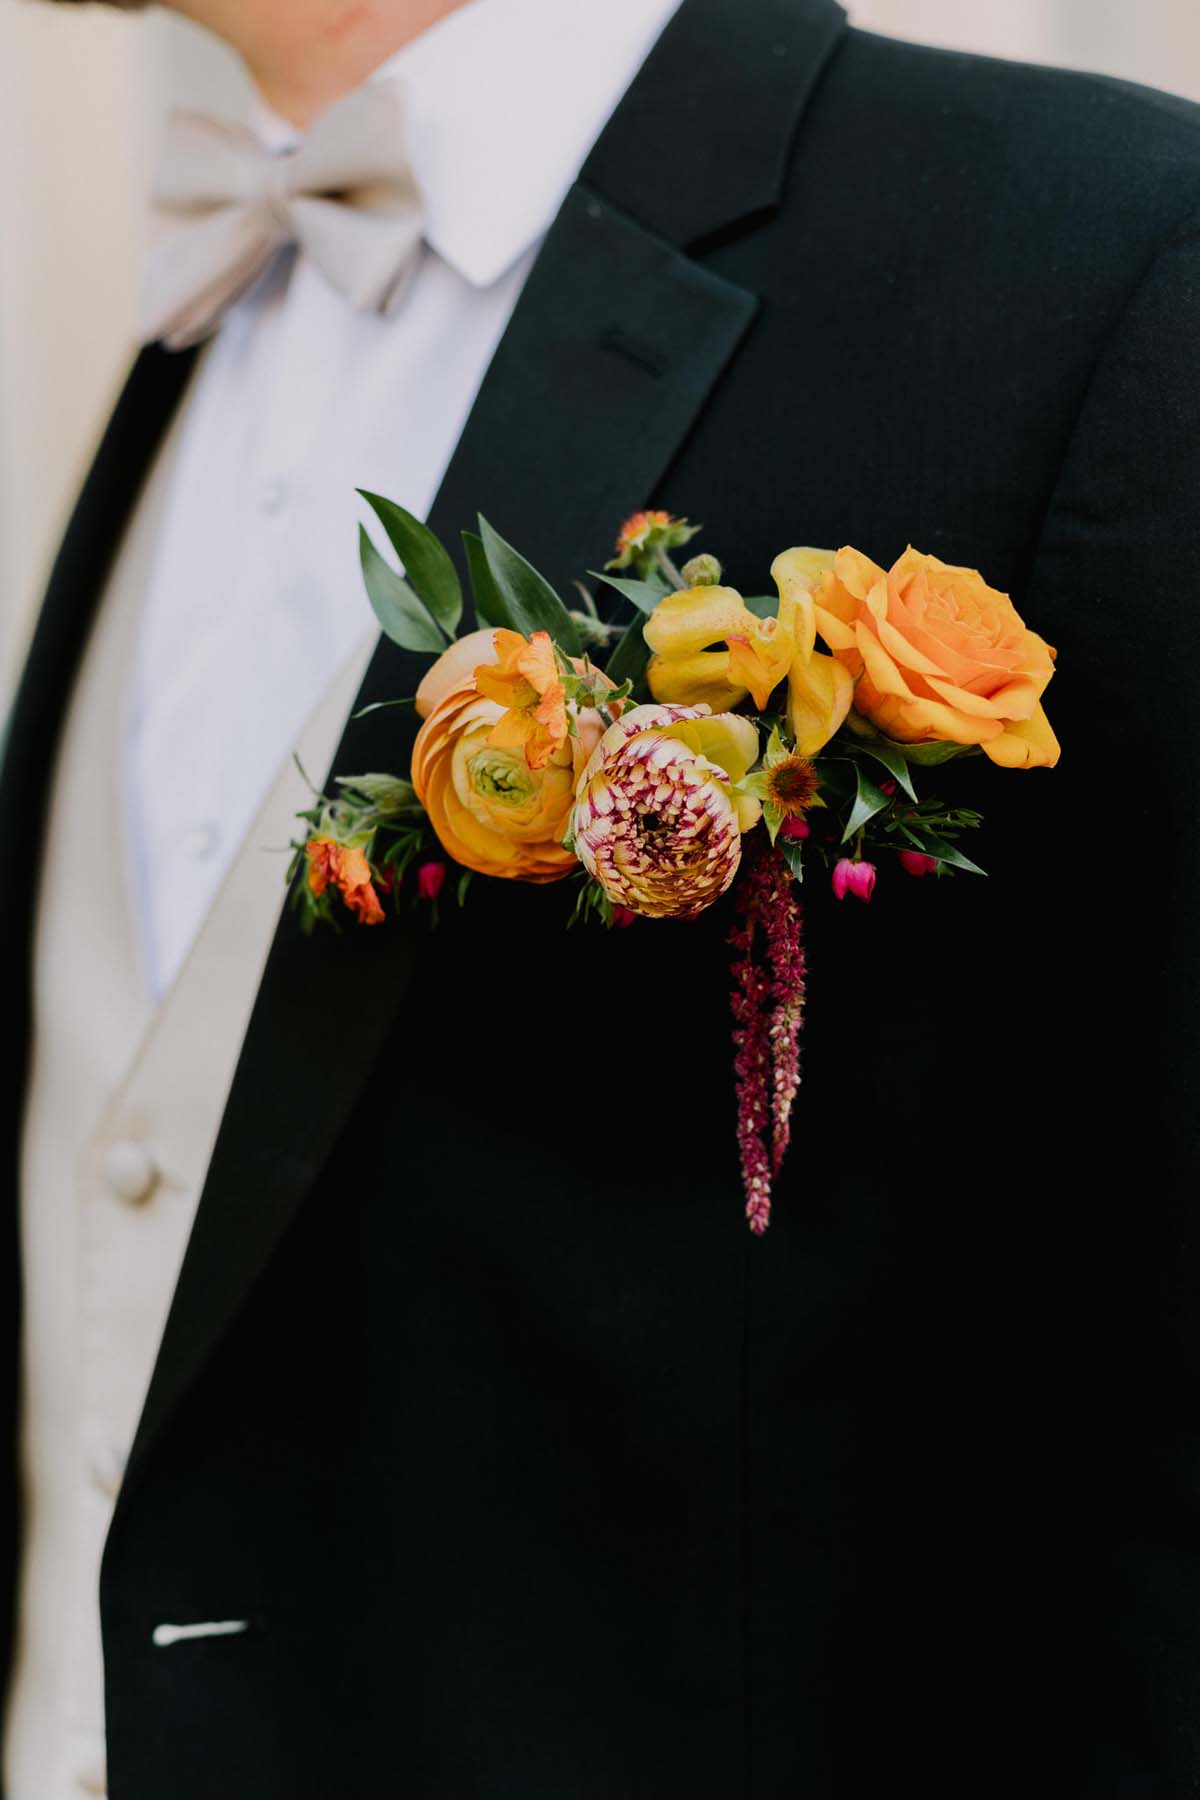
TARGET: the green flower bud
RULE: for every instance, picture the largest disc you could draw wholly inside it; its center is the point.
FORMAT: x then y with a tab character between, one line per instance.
701	571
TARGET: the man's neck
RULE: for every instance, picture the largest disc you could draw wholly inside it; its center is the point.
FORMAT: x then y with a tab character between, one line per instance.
305	54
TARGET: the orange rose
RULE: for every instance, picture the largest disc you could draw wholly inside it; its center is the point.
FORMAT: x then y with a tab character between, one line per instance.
939	656
490	810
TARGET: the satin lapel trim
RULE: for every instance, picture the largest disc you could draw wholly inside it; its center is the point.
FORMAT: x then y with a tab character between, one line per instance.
138	425
615	345
139	422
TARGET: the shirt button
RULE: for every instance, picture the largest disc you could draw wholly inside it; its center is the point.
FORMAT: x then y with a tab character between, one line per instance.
273	496
202	840
93	1779
130	1170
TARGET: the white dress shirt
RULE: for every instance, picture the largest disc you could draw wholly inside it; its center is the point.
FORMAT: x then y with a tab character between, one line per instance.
255	594
233	631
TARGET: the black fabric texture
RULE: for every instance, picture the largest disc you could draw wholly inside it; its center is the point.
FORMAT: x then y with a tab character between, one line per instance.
538	1478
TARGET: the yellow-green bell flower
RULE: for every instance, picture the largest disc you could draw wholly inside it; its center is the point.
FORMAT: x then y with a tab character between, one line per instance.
820	688
690	662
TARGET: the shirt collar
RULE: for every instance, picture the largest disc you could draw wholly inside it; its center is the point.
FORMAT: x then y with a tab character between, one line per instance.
505	98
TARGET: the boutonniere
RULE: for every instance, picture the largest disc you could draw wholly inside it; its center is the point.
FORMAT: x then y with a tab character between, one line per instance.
703	740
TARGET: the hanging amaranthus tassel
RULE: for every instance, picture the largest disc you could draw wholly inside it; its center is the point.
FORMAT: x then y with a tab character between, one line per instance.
767	1002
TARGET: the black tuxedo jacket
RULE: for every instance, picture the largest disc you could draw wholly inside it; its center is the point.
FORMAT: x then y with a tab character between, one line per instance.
537	1477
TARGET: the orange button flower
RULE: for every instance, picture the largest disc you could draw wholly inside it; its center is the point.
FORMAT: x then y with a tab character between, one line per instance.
525	680
939	656
636	529
331	864
646	537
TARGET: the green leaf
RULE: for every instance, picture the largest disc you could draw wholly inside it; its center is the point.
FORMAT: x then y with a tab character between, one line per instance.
526	597
381	706
927	756
644	594
792	851
632	653
869	801
892	758
400	614
776	749
946	853
305	777
930	756
489	608
427	566
763	606
390	795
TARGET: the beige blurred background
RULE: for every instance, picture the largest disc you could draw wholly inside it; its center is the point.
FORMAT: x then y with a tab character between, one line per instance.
83	91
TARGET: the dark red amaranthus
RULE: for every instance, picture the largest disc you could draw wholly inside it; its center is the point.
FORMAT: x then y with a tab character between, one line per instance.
767	1002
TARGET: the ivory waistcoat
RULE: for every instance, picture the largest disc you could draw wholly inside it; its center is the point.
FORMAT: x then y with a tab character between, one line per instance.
123	1110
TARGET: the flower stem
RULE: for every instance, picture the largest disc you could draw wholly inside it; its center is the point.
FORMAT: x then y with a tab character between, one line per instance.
670	569
595	631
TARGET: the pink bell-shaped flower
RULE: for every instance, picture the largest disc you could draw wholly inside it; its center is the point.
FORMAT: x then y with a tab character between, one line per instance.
853	877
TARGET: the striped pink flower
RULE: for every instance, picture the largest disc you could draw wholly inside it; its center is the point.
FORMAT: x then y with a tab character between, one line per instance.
657	821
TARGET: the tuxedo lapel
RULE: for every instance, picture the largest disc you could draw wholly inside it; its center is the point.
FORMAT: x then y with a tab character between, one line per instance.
615	345
135	431
139	422
700	145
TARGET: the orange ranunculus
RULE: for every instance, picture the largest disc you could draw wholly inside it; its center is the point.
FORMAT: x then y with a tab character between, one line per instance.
939	656
346	868
454	666
491	810
523	677
462	662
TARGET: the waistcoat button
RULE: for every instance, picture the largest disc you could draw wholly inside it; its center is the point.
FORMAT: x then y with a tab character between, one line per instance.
130	1170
